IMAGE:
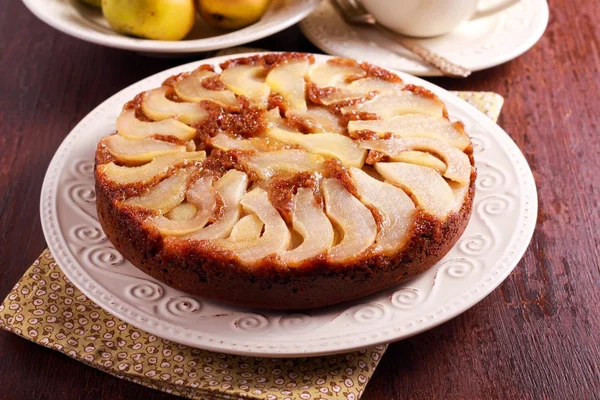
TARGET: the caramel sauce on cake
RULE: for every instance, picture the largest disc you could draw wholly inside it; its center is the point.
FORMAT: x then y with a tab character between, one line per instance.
281	182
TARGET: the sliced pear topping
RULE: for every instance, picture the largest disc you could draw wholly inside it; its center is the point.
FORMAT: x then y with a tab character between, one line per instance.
416	125
267	164
132	128
395	208
426	185
190	89
201	194
458	164
183	212
421	158
158	166
248	229
165	196
248	81
361	88
389	105
276	236
327	144
190	146
157	107
310	221
287	79
355	221
230	188
333	74
316	119
139	150
460	193
225	142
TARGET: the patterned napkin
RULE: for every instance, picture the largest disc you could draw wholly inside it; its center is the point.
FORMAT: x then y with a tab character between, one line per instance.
46	308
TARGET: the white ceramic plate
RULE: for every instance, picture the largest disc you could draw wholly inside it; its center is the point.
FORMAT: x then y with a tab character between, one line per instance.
86	23
502	223
477	45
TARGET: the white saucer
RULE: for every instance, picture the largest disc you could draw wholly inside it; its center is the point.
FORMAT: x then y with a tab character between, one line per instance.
87	23
476	45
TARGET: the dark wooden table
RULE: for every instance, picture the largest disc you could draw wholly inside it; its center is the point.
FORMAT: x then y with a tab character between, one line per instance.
537	336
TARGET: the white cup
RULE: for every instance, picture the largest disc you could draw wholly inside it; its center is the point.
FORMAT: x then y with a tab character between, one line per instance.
427	18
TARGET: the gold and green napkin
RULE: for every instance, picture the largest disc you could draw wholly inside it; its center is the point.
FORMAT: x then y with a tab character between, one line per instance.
46	308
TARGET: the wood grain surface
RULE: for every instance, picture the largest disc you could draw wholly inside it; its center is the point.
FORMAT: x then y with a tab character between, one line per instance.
536	337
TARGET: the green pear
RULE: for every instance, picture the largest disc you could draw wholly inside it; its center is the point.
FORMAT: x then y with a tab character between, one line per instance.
93	3
232	14
151	19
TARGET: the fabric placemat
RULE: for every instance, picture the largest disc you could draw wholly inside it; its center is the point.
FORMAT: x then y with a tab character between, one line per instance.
46	308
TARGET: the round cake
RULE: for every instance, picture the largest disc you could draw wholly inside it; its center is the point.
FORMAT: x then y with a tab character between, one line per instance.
280	182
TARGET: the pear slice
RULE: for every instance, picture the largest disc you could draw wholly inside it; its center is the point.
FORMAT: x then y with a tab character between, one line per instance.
201	194
458	164
247	229
427	187
287	79
267	164
394	206
276	236
389	105
139	150
157	107
183	212
327	144
421	158
312	224
165	196
333	74
460	193
316	119
361	88
132	128
230	188
190	146
248	81
357	225
190	89
225	142
158	166
416	125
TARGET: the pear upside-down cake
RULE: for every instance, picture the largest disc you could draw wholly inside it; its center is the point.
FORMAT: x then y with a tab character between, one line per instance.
281	182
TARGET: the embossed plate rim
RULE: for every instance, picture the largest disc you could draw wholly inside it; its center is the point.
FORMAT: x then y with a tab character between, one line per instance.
60	20
332	342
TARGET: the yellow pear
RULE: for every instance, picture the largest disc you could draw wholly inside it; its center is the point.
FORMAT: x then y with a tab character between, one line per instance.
151	19
94	3
232	14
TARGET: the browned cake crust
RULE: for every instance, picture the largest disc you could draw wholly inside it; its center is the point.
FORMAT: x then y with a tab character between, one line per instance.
200	267
196	268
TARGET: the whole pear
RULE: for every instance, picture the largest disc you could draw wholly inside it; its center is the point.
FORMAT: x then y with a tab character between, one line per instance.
151	19
94	3
232	14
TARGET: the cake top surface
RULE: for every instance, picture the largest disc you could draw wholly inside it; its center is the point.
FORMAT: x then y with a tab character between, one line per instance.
280	156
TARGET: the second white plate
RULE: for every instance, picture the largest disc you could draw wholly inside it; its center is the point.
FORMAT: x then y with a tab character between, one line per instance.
477	45
502	223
